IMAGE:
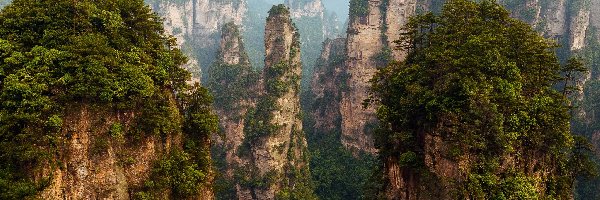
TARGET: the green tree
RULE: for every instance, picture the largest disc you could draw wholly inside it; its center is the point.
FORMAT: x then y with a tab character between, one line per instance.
484	84
106	54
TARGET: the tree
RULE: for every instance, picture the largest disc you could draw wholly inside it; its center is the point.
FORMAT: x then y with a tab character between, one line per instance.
108	54
477	92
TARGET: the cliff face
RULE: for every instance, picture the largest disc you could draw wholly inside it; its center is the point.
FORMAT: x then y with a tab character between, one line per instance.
97	166
96	162
569	22
310	19
274	144
196	25
326	86
368	47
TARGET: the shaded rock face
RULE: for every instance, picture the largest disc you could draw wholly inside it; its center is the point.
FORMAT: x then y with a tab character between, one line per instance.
326	86
367	39
196	25
94	165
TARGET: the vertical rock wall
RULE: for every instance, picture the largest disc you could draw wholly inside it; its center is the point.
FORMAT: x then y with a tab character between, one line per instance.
369	36
95	165
326	86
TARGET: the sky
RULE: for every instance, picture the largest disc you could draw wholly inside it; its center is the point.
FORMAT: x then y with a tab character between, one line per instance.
340	7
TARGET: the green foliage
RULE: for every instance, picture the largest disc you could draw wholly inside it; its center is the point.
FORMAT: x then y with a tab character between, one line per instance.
109	54
231	85
182	173
383	57
177	172
199	121
279	10
587	107
116	131
278	81
483	83
359	8
336	172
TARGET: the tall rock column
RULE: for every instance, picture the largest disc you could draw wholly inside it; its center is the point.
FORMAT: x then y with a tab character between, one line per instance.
233	82
274	142
368	46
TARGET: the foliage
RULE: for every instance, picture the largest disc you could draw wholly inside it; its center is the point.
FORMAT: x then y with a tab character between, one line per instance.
587	107
279	10
112	54
177	172
337	173
383	57
231	84
182	173
278	81
483	83
359	8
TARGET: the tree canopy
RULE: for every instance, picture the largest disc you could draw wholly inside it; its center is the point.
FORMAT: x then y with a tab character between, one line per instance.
114	54
485	84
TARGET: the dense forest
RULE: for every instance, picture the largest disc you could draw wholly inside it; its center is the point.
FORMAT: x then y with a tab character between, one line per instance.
299	99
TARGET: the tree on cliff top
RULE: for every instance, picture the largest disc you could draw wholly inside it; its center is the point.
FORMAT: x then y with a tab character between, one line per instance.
108	54
483	83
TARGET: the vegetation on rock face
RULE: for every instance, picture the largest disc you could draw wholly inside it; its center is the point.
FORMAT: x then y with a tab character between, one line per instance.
483	83
280	79
231	85
586	122
337	173
109	54
359	8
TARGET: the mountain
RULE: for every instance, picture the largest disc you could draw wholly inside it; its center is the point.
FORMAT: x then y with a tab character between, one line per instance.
108	114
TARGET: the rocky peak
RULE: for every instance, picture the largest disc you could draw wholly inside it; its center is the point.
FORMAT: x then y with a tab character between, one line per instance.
274	144
233	84
231	48
281	37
